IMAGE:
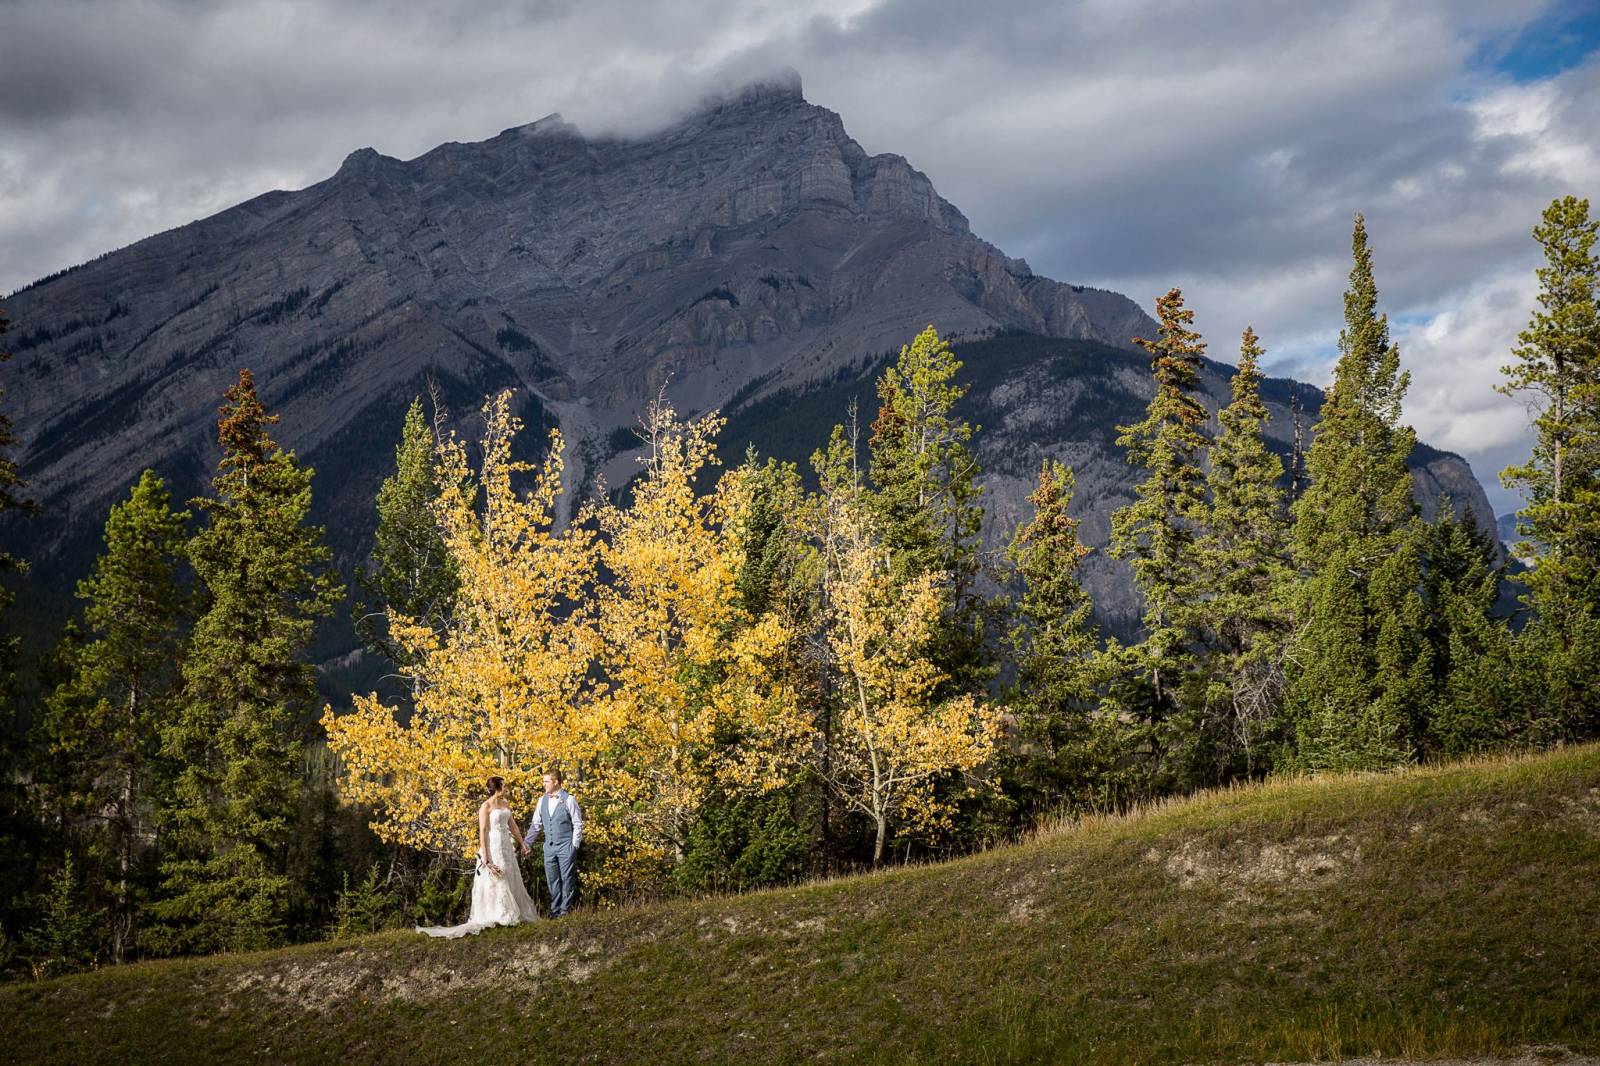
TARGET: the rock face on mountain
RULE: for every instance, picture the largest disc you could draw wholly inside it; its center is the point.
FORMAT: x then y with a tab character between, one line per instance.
751	250
755	238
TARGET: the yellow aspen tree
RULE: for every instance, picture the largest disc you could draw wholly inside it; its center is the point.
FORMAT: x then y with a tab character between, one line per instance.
892	736
505	687
696	693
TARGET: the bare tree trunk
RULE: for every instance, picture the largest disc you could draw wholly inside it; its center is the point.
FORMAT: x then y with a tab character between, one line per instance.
1297	456
120	930
125	817
1560	442
827	769
825	692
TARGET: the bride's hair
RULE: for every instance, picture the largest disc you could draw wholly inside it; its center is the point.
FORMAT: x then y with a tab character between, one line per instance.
495	784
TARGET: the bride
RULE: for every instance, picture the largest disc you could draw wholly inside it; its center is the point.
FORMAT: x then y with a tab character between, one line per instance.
498	897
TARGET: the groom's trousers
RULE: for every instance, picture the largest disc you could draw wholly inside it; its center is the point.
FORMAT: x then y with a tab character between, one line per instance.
561	872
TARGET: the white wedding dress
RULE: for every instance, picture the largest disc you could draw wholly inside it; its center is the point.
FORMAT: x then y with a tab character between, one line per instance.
496	899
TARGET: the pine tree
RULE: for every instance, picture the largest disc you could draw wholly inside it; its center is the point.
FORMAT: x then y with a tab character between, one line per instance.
926	496
771	540
1157	532
1477	705
1558	365
102	727
410	574
247	691
67	937
365	908
742	840
779	569
1243	554
1362	670
1073	750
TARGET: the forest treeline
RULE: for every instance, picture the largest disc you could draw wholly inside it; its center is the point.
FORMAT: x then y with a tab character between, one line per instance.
757	674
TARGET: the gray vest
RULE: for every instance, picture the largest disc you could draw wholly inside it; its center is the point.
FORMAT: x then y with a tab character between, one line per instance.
557	823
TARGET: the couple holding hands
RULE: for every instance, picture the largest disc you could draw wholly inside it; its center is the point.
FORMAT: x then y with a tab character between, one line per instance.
498	894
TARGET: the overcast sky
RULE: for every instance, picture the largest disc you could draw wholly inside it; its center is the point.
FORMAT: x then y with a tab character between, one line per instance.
1219	146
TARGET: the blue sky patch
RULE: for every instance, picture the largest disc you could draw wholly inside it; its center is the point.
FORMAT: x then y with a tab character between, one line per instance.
1564	38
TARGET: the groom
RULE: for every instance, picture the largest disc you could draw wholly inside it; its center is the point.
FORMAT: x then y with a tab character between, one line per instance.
561	821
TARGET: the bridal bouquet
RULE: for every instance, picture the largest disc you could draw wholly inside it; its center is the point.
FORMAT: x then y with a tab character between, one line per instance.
491	867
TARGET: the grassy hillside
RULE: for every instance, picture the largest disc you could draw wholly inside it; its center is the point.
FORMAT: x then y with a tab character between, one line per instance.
1452	910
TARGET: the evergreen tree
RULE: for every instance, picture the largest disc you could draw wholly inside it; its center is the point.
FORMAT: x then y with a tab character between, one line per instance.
1558	366
1157	532
410	575
741	840
67	937
772	541
1363	673
367	907
1243	555
1072	750
926	496
1471	649
896	735
247	692
781	575
101	727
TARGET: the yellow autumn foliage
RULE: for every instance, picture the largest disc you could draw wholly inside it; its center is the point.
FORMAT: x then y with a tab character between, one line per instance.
506	688
688	669
893	735
618	649
631	684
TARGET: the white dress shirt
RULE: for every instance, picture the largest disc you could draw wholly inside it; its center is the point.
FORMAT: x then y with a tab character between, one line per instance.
573	811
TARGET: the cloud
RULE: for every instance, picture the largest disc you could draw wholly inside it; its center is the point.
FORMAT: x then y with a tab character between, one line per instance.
1134	144
1455	356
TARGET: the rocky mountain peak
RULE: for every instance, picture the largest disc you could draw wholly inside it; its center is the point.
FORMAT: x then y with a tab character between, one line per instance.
748	251
364	161
779	86
552	125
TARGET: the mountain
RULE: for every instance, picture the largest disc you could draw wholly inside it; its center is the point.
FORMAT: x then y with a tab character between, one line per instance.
751	253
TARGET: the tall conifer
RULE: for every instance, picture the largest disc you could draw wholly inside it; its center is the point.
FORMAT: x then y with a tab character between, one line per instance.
102	726
1243	553
1478	703
1157	532
248	693
1362	670
1558	366
927	497
1074	750
410	575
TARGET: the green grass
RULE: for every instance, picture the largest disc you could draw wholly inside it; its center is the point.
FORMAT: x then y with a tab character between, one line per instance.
1445	911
